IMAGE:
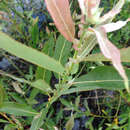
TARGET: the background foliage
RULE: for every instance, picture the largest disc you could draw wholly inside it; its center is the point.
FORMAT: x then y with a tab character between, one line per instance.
28	81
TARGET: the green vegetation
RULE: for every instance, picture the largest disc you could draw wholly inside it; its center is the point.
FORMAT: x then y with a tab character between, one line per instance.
50	84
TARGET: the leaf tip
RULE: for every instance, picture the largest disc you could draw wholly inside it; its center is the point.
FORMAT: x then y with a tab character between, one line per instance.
126	82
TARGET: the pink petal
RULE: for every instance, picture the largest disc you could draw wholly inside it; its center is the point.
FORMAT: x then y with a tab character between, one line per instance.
111	14
60	12
110	51
114	26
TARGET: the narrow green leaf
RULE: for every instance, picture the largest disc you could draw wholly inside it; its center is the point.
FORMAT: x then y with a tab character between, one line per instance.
75	68
69	125
66	103
3	121
33	94
80	89
38	120
41	85
42	73
48	47
49	50
103	77
17	109
2	95
128	122
125	56
29	54
62	50
88	123
17	98
77	102
34	32
10	127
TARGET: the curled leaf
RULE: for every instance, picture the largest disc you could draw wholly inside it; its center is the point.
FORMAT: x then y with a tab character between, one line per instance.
60	12
116	9
115	26
111	52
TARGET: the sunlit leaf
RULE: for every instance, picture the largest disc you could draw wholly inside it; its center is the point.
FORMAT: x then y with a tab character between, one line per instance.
62	50
29	54
17	109
48	49
114	26
103	77
60	12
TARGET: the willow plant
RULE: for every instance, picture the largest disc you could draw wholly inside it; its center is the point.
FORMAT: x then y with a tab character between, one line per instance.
93	29
88	37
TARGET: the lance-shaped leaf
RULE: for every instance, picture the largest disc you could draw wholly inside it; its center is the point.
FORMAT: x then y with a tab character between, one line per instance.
111	52
116	9
31	55
125	56
115	26
60	12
